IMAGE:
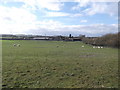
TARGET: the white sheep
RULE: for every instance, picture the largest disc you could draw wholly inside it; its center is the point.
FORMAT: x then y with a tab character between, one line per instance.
18	45
94	47
14	45
83	46
98	47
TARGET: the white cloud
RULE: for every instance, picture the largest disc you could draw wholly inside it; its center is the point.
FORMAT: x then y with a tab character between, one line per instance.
56	14
110	8
39	4
25	22
49	24
21	20
15	19
76	15
81	3
18	20
61	14
89	0
16	14
103	8
83	21
89	30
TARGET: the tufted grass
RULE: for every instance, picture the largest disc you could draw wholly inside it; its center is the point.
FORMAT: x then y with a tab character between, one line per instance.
58	64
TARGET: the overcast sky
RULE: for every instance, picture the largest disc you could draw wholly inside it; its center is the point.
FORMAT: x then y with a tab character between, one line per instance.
58	17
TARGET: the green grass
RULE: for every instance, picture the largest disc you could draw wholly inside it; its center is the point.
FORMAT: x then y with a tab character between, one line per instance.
41	64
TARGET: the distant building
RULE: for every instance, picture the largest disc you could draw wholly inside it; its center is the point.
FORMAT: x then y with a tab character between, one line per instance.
41	38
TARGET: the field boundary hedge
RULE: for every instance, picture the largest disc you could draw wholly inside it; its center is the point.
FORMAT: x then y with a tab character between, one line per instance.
110	40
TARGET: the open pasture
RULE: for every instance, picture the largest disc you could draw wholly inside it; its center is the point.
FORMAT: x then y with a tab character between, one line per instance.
58	64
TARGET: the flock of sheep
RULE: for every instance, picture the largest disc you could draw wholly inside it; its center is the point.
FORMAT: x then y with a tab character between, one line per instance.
16	45
93	46
97	47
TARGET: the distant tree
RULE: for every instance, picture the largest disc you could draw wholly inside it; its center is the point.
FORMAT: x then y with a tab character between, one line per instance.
70	35
111	40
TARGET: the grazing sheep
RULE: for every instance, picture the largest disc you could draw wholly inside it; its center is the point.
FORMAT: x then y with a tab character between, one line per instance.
83	46
14	45
94	47
18	45
98	47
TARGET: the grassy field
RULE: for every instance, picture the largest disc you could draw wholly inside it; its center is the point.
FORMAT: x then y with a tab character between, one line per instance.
57	64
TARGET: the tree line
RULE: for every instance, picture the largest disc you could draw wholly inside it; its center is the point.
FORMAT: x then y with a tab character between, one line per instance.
110	40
